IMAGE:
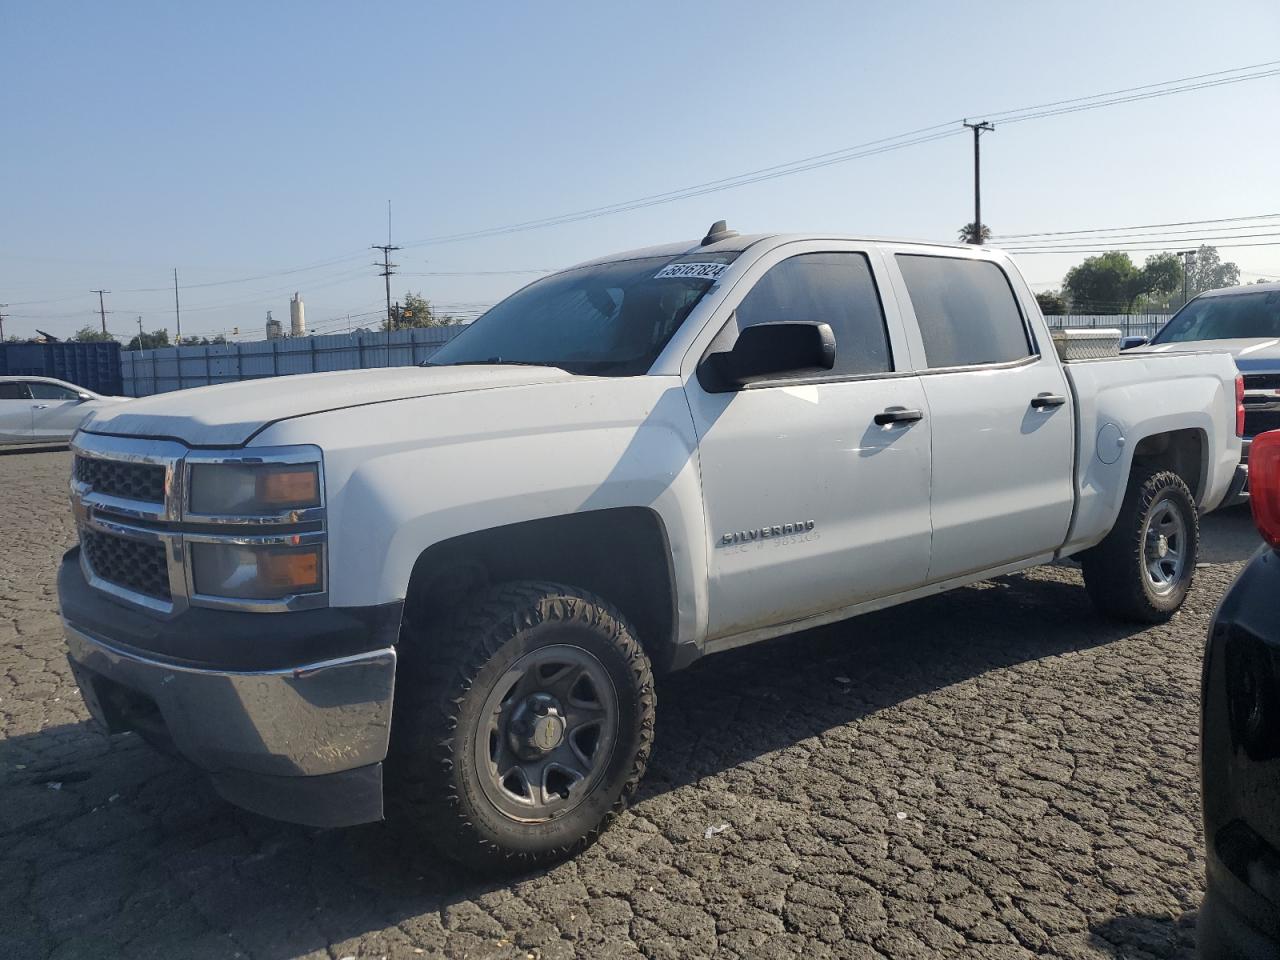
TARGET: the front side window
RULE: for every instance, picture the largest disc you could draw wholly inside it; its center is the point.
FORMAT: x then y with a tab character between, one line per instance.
51	391
831	288
607	319
1241	316
966	311
14	391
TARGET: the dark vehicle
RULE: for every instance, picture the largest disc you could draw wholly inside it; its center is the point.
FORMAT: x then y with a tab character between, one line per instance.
1240	741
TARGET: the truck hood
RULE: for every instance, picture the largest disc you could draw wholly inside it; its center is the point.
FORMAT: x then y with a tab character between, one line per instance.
1246	349
229	414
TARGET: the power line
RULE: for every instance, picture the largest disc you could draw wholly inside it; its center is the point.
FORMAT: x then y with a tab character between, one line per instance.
1019	251
875	147
1155	240
1140	226
262	276
1123	90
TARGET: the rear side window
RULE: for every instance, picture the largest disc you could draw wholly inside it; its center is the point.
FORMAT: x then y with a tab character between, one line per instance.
966	311
832	288
14	391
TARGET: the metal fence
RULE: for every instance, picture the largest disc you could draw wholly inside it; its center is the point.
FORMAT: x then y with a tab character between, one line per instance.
1131	325
176	368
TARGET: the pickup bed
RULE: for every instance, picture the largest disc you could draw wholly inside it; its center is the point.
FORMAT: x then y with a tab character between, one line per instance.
623	467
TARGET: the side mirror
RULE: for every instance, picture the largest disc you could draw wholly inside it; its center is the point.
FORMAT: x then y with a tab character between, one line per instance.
84	396
768	350
1129	342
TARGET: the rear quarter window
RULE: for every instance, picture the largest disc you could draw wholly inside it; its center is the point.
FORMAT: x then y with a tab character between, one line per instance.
966	310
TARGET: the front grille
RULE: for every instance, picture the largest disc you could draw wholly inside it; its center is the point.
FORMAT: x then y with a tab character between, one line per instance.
133	564
1262	381
119	478
1260	421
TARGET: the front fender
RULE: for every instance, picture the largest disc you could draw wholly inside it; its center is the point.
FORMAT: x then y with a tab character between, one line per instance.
405	475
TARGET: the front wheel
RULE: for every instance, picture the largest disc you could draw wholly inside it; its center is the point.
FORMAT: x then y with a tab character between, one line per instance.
526	728
1142	570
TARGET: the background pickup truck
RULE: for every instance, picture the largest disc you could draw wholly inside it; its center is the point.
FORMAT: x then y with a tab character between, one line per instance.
1243	321
622	467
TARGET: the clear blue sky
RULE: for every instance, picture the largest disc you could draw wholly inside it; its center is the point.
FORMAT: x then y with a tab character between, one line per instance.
236	140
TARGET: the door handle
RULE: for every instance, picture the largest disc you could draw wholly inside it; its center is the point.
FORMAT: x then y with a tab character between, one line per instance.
39	406
1047	400
898	415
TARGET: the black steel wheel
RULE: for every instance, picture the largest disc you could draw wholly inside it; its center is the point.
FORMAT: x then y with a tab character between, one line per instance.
547	730
525	728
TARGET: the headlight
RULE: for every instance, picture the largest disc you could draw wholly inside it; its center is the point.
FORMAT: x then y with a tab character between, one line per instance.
253	489
256	572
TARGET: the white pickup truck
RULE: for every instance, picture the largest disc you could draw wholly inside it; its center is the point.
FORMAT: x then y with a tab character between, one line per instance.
621	468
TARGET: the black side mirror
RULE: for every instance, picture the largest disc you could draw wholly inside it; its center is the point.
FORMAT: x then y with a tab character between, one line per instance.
1127	343
767	350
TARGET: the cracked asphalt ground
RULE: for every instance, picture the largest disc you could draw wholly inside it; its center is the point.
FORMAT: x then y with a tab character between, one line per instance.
993	773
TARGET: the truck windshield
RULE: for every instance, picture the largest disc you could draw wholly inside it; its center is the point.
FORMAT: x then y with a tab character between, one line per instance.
606	319
1238	316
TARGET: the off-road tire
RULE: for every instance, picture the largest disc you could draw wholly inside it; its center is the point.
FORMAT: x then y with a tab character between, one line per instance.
449	671
1115	571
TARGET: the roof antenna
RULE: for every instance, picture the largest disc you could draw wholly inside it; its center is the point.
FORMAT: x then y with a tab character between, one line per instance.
719	231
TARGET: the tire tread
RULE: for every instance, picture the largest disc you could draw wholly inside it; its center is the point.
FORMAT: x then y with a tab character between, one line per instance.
427	792
1113	570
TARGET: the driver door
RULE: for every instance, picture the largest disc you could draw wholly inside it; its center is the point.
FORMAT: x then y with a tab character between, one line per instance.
811	504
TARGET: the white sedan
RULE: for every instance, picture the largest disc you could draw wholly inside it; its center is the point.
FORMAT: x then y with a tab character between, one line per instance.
35	409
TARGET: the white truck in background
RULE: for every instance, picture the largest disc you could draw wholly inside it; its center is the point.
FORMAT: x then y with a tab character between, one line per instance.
623	467
1243	321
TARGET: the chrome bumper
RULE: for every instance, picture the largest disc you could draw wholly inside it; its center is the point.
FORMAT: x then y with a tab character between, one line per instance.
264	735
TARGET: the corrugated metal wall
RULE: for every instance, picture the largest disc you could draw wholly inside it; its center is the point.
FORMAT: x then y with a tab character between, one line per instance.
94	366
176	368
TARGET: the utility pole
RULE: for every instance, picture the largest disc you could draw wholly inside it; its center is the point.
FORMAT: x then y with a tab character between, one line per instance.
2	306
978	130
388	268
1187	256
102	311
177	312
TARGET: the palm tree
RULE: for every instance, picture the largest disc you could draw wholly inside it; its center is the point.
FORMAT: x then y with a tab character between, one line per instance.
967	233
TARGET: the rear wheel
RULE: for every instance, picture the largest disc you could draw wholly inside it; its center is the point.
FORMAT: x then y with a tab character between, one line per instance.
1143	569
526	728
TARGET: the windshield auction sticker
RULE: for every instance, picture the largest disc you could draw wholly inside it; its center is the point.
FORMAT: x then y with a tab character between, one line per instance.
695	271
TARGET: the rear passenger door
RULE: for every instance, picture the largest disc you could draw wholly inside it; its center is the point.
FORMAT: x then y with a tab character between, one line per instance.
811	504
1002	417
15	412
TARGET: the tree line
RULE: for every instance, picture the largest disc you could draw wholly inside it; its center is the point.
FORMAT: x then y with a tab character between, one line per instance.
1111	283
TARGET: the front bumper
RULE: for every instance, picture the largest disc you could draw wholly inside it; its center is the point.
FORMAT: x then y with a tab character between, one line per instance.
302	743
